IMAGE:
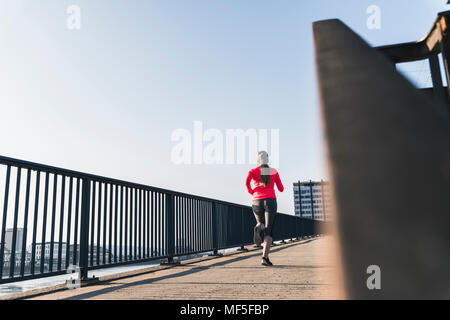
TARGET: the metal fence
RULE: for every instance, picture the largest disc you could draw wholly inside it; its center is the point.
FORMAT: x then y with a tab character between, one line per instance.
434	44
54	218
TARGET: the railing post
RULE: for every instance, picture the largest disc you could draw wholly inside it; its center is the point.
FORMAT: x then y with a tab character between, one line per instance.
242	248
170	227
215	231
84	229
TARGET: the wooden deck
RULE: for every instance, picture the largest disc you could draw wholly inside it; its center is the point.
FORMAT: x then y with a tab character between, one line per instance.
302	270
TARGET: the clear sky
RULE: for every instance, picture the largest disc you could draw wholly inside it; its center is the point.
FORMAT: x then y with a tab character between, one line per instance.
105	99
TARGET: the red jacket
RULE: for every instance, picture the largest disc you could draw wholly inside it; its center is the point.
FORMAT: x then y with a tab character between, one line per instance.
260	191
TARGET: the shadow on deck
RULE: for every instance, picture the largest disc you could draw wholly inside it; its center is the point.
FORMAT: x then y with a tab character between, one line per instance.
302	270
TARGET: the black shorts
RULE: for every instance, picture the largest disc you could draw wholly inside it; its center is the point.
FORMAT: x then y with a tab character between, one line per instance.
265	211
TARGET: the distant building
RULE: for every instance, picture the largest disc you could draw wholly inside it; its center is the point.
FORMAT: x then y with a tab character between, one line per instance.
312	200
47	247
9	239
38	252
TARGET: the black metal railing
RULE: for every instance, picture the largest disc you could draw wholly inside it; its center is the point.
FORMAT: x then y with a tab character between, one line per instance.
435	43
387	152
54	218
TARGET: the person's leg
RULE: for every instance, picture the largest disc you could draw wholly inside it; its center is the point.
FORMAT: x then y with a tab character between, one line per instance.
270	212
258	211
266	246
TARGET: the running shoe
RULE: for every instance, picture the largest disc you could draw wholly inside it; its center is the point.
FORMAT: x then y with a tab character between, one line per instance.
266	262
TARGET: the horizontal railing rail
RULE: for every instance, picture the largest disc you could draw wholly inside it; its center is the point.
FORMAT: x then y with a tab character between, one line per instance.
54	219
436	42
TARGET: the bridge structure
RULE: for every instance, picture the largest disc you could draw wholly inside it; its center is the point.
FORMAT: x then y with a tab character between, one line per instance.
387	145
56	221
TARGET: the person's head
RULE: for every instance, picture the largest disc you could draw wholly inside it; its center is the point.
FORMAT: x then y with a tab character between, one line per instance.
263	161
262	158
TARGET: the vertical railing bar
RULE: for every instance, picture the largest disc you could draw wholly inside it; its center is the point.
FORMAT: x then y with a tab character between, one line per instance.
186	225
196	225
211	225
132	222
152	214
161	224
121	224
87	211
44	222
25	224
205	230
99	222
76	223
191	226
105	208
182	223
206	212
61	221
157	236
52	232
92	222
201	233
181	234
135	222
148	223
141	233
143	224
138	223
126	226
206	224
162	221
5	215
115	221
69	222
111	193
175	224
242	228
12	257
195	233
35	220
204	220
200	225
132	203
165	223
179	225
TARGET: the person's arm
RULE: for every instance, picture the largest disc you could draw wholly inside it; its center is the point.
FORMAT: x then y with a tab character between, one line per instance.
278	182
248	183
